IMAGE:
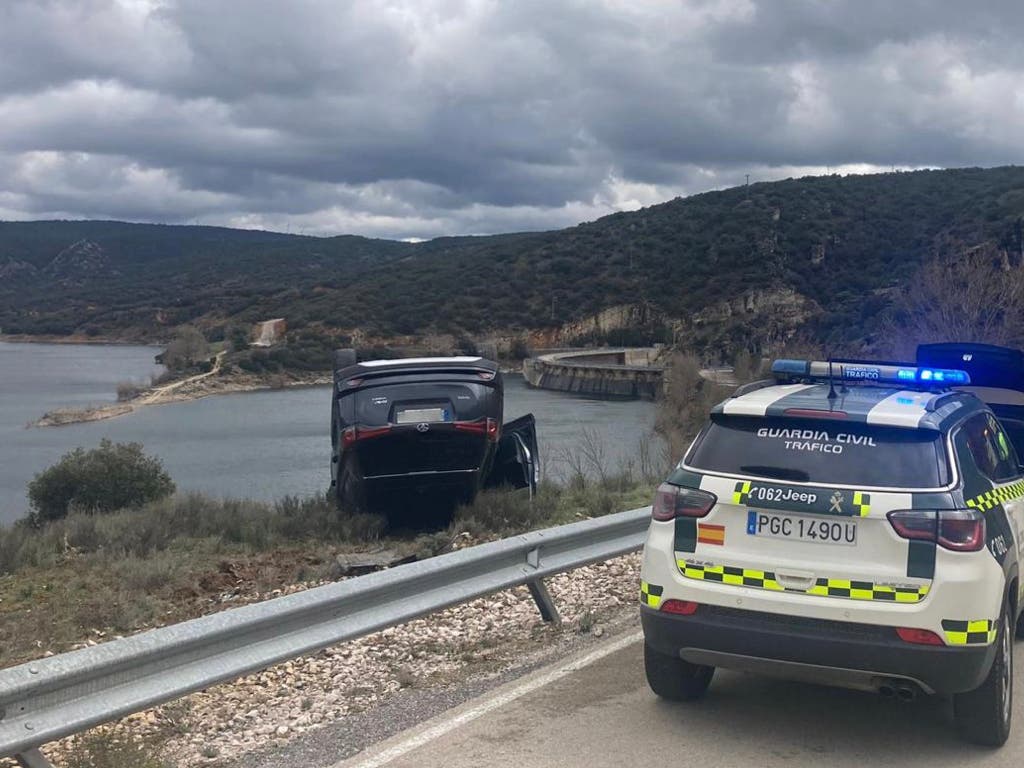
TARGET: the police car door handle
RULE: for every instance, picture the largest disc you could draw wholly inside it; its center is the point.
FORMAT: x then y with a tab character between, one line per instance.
802	580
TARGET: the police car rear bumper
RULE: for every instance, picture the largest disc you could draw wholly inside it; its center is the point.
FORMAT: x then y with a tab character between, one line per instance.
860	656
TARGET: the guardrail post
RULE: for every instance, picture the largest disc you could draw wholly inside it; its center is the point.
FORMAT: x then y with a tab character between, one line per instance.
33	759
539	590
541	596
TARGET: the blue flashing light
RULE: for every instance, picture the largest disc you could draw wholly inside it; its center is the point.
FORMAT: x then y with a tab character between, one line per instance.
868	372
944	375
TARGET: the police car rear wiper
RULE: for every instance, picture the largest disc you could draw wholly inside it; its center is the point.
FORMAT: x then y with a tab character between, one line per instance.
781	473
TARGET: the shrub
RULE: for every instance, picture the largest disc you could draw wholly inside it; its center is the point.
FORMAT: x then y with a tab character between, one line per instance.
187	348
128	390
110	477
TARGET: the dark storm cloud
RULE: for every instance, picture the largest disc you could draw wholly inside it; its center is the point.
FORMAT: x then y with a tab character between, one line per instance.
415	118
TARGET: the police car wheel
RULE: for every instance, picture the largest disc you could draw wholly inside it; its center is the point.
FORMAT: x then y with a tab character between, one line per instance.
674	679
983	715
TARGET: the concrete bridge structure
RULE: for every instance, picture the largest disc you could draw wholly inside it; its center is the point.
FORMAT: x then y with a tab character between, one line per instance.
623	372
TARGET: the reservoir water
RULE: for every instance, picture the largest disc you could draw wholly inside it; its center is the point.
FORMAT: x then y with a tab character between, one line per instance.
261	445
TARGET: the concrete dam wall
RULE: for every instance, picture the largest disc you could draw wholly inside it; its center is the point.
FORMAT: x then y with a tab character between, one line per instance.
612	373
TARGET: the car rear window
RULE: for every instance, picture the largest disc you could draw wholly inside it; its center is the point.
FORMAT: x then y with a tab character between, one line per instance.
841	453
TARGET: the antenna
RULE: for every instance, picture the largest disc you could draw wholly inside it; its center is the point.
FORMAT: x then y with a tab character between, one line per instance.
831	383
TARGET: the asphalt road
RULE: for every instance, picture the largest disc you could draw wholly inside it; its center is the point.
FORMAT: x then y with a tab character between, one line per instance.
598	711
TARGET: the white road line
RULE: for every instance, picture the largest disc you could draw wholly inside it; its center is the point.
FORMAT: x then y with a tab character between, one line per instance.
506	696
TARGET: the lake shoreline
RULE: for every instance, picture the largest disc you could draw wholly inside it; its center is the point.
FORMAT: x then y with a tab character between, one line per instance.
94	340
183	391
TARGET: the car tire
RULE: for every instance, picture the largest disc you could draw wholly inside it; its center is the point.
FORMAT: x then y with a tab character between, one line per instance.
983	716
673	679
343	358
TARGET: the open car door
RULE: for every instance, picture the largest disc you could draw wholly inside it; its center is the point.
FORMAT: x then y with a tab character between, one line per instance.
515	461
997	378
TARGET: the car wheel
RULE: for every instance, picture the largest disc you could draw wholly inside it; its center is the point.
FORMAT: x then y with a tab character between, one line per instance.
351	494
674	679
983	715
343	358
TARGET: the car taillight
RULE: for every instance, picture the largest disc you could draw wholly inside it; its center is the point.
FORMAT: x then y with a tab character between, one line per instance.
489	427
679	607
918	636
672	501
961	530
354	434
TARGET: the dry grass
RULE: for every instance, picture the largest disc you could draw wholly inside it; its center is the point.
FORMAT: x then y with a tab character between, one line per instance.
93	577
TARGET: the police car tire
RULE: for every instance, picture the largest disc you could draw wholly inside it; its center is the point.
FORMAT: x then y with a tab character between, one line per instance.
983	715
674	679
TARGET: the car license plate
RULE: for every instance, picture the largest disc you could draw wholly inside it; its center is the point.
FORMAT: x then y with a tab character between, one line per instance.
420	415
817	530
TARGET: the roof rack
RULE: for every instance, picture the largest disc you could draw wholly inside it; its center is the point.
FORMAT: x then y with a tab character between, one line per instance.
869	372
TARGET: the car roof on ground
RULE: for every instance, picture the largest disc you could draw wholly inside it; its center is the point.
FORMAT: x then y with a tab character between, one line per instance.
887	406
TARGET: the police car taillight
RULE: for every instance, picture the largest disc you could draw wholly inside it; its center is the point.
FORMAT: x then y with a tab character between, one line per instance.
961	530
672	501
680	607
918	636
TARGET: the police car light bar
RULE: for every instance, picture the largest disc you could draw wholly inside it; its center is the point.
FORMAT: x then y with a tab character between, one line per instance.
869	372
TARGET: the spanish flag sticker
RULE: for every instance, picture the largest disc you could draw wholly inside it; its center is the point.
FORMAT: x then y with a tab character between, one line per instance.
710	534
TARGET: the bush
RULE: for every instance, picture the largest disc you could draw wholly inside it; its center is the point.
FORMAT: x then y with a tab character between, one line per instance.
113	476
128	390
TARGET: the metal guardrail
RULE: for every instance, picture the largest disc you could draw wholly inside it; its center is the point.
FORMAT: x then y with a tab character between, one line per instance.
54	697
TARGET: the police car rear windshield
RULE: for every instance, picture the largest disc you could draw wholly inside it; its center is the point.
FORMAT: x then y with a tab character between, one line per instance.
807	451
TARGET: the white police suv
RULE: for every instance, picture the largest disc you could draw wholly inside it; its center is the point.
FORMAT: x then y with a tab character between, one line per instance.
848	523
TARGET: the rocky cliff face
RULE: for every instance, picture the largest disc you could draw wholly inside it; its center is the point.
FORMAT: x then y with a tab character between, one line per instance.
756	320
619	317
781	305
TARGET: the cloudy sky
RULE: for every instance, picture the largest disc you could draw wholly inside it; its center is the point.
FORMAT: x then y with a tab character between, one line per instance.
418	118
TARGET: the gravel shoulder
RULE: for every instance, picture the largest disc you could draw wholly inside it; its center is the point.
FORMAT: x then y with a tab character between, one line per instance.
318	709
408	708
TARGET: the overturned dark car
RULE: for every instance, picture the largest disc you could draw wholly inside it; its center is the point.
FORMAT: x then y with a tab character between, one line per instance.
413	427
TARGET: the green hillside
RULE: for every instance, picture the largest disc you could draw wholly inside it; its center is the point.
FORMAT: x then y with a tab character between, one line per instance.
719	268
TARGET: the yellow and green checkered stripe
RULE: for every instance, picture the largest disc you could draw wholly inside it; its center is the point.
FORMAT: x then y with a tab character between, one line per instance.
741	492
650	594
866	590
996	496
976	632
727	574
862	503
853	590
